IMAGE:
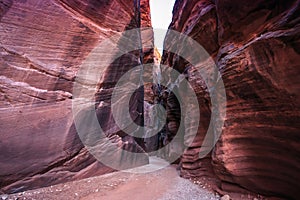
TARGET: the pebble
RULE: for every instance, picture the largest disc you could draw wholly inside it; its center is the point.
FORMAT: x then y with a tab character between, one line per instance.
4	197
225	197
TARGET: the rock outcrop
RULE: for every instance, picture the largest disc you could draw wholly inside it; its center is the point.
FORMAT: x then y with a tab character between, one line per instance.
42	46
255	46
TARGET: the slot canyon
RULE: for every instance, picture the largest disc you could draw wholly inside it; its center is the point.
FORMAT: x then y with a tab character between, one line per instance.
48	138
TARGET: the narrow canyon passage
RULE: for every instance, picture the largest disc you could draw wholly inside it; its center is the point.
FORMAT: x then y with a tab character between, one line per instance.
78	103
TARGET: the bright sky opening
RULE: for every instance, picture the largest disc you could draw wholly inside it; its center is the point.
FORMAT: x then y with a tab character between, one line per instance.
161	17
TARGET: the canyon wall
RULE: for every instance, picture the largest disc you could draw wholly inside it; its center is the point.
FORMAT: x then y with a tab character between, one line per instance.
255	46
42	45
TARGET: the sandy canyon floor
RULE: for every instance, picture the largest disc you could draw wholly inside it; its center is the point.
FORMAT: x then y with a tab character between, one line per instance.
163	184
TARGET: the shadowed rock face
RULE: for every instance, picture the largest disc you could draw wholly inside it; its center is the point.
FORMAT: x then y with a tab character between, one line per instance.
256	48
43	44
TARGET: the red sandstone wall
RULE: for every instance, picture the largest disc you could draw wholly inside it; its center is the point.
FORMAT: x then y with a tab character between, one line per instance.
42	45
255	45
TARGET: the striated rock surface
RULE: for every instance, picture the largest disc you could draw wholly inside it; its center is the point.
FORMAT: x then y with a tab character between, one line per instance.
256	48
42	46
148	50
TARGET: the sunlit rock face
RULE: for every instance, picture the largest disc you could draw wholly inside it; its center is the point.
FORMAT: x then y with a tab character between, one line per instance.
43	44
255	46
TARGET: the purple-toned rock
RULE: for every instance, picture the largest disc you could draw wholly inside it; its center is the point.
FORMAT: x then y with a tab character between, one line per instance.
43	44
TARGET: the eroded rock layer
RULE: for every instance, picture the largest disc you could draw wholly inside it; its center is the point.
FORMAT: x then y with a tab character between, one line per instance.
255	46
42	46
